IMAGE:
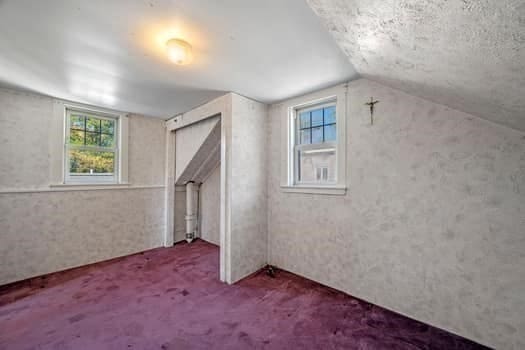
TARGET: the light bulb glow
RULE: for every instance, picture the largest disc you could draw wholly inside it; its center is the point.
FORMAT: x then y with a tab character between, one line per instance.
179	51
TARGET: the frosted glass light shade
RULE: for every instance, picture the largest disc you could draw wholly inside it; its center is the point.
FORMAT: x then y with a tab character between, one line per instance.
179	51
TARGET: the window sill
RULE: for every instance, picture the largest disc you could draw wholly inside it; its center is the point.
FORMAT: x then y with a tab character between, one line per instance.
90	186
328	190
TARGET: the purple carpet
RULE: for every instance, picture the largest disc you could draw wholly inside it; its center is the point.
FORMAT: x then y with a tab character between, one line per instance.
171	298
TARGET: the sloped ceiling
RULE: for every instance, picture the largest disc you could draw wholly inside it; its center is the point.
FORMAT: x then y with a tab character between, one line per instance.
111	53
467	54
197	145
205	159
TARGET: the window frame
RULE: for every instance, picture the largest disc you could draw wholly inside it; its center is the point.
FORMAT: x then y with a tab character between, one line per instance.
119	148
288	139
91	178
320	146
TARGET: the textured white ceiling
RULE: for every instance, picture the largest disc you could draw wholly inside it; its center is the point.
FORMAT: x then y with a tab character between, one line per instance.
111	53
467	54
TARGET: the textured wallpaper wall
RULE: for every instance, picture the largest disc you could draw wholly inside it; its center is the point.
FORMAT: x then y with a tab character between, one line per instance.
433	222
43	231
248	187
432	225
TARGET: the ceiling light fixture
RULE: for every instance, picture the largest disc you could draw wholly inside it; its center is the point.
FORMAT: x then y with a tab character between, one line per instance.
179	51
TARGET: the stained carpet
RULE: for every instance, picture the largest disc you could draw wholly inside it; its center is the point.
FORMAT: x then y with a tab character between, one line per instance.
171	298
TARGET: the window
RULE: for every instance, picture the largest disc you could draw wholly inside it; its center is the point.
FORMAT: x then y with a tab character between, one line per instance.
315	144
313	141
91	147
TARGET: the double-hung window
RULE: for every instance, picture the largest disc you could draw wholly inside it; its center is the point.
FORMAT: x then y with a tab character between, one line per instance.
316	144
313	136
91	147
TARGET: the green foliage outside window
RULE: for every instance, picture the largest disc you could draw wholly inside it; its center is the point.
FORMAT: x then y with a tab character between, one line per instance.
88	131
86	162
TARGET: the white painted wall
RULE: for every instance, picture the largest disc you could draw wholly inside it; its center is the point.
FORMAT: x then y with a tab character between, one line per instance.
43	231
209	213
432	225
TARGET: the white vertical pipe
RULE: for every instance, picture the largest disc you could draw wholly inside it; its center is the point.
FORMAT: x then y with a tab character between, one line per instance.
190	216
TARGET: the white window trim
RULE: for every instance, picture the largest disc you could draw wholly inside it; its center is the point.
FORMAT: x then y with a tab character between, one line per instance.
92	178
288	127
58	147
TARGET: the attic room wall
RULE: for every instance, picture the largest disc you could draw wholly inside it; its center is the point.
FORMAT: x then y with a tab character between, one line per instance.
43	231
248	186
432	223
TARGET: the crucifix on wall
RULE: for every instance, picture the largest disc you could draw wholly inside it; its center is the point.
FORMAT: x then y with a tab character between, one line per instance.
372	104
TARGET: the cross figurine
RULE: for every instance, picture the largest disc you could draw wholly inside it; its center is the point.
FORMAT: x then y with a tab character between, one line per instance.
371	104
